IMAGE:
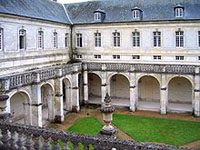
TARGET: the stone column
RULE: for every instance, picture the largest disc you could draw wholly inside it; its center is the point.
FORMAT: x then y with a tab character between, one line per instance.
85	84
36	102
75	91
197	93
59	98
163	94
133	95
103	83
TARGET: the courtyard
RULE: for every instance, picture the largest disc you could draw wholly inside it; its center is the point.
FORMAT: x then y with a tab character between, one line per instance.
143	126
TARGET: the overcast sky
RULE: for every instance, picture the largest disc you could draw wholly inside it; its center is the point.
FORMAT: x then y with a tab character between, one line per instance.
71	1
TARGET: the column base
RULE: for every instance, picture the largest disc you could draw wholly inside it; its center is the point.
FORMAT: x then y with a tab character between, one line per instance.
108	133
197	113
59	119
75	109
131	109
86	103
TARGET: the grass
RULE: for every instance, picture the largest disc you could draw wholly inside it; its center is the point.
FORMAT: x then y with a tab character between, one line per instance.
144	129
86	125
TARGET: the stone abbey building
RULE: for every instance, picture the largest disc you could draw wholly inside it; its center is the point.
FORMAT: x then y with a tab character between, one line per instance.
55	58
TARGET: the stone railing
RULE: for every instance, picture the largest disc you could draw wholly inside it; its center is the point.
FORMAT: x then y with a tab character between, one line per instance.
26	78
149	68
18	137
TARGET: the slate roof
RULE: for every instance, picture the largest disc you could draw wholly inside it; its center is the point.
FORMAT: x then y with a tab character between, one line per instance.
120	10
39	9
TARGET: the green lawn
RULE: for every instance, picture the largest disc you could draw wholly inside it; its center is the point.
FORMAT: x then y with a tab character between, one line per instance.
144	129
87	125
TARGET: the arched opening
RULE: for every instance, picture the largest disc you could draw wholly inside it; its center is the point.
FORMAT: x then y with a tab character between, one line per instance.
148	94
94	89
120	90
20	108
80	85
47	103
180	95
67	93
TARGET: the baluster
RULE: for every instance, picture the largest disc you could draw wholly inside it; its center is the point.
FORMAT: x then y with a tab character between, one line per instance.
65	146
13	140
20	141
37	144
75	146
5	137
29	142
56	145
46	145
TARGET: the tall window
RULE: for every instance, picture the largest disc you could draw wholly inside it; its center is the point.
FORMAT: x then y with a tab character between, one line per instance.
179	12
97	39
1	39
79	40
22	39
116	39
55	39
136	39
156	39
199	38
179	38
66	40
40	39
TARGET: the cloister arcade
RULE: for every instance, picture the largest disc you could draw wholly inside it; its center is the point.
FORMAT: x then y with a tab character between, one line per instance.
49	100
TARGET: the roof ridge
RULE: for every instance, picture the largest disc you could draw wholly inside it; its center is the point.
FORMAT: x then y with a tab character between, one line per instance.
66	13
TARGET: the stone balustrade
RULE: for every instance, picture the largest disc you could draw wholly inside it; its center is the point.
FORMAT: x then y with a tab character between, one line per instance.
16	136
26	78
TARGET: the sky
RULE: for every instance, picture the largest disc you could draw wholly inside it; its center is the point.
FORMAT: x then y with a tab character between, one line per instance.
72	1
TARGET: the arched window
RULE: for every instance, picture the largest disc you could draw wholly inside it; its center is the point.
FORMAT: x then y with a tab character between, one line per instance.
97	16
40	39
136	13
22	39
179	11
1	39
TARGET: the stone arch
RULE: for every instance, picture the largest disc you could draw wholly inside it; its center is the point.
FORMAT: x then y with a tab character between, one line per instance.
94	88
148	75
120	89
67	94
20	107
48	103
148	92
180	94
123	74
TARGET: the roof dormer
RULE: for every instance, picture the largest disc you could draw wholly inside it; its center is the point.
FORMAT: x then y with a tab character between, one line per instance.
99	15
179	11
136	13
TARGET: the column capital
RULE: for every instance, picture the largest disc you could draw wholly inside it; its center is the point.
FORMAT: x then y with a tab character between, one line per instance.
104	84
132	87
163	89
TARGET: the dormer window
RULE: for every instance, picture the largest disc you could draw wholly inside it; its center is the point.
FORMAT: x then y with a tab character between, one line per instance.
136	13
179	11
99	15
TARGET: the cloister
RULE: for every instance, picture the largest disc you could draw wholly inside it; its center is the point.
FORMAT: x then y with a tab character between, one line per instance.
46	95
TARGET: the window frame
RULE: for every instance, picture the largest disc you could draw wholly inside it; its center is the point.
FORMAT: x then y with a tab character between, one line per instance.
79	40
97	16
179	39
116	39
136	38
22	33
135	57
66	40
40	39
156	39
55	40
97	56
179	57
1	39
116	57
157	57
97	39
179	12
198	38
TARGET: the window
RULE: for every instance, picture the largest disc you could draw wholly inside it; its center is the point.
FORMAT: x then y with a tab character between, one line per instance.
97	16
156	39
198	57
157	57
179	38
97	39
116	56
136	14
1	39
136	39
40	39
116	39
22	39
66	40
79	40
136	56
199	38
179	57
179	12
79	56
55	40
97	56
